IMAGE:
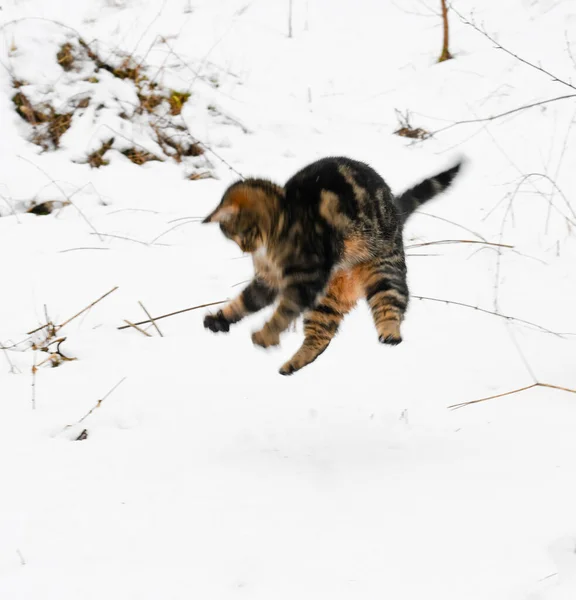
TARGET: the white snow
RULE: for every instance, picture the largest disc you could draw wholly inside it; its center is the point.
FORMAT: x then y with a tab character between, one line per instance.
205	474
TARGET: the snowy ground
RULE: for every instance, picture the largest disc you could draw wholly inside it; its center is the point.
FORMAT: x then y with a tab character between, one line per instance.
207	475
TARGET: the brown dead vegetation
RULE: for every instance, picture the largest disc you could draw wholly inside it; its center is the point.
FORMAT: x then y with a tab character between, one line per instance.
139	156
177	101
96	159
46	207
65	57
177	145
406	129
83	102
49	125
160	107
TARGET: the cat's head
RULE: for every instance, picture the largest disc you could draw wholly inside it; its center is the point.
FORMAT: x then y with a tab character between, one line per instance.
247	213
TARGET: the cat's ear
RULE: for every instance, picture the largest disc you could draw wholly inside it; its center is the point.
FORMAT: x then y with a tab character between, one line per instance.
222	213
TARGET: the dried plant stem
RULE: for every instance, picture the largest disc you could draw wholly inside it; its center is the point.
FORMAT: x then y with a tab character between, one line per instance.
437	242
21	557
137	328
522	60
97	405
489	312
119	237
58	327
452	223
151	319
522	389
445	54
88	307
34	370
177	312
503	114
12	367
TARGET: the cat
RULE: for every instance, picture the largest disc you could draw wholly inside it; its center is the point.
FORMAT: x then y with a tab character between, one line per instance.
330	236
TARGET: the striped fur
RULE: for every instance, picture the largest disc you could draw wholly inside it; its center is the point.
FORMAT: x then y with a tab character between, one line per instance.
331	236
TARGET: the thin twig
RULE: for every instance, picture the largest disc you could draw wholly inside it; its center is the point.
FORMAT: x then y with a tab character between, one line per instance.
97	405
120	237
500	47
522	389
458	242
178	312
522	355
21	557
209	149
452	223
11	208
34	370
137	328
155	240
58	327
12	367
504	114
87	308
150	317
490	312
63	193
85	248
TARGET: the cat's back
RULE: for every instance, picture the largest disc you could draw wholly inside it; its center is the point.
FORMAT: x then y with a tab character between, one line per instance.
337	174
346	194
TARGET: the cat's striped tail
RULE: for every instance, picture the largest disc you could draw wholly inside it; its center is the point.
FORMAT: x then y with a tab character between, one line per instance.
412	198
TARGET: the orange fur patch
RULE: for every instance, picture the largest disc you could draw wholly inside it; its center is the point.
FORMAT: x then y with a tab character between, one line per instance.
356	250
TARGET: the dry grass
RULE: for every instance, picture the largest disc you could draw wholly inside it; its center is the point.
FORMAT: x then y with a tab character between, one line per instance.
48	124
202	175
65	57
57	126
96	159
149	103
177	101
179	145
139	156
160	109
47	207
31	114
83	102
407	130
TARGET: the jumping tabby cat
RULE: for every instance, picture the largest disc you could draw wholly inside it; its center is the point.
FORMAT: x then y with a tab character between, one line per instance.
330	236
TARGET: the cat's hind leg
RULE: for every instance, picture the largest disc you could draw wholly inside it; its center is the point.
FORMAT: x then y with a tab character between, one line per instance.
387	295
322	322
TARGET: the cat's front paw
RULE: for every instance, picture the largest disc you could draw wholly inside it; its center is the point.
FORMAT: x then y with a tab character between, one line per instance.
265	338
217	323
